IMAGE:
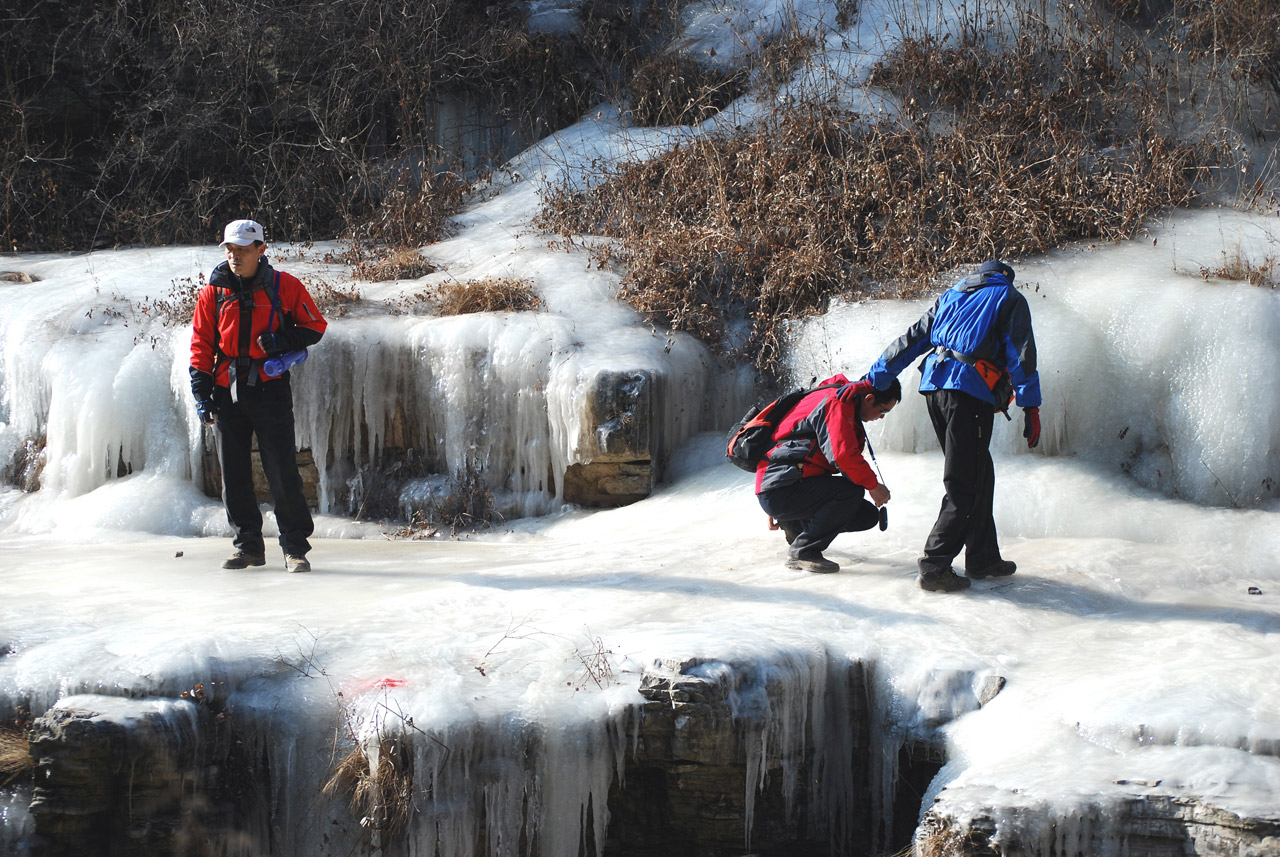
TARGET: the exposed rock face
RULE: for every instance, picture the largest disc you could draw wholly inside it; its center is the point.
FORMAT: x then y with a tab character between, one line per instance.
780	759
1141	825
123	776
712	773
617	466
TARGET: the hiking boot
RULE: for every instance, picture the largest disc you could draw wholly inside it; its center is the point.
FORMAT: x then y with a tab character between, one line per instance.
814	562
244	559
295	563
1002	568
942	581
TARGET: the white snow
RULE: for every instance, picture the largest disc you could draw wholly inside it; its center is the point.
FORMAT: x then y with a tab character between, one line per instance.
1136	658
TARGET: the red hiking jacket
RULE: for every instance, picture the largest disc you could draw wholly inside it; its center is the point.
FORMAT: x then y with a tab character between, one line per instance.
821	436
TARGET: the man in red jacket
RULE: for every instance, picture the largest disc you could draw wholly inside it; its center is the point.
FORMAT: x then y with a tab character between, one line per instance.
246	313
814	481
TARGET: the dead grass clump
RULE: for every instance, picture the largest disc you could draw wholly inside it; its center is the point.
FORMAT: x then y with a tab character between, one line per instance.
940	837
1237	266
1001	150
412	210
331	300
404	264
780	60
495	294
674	89
15	756
381	795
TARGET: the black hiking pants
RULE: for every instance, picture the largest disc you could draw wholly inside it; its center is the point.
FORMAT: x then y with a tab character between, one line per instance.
265	410
821	508
963	425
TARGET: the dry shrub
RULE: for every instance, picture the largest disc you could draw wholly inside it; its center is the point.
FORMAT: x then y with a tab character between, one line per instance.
402	264
412	211
468	505
1245	34
1237	266
381	798
180	305
331	300
495	294
156	123
674	89
15	756
997	153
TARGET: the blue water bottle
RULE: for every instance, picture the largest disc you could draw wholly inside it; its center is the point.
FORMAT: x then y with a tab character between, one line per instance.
274	367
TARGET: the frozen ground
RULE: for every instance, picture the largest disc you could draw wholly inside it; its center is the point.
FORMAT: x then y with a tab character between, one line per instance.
1138	640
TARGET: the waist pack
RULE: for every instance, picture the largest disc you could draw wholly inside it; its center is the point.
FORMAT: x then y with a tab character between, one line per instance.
751	437
996	379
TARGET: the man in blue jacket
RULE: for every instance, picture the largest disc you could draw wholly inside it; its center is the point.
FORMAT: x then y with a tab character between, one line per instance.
979	352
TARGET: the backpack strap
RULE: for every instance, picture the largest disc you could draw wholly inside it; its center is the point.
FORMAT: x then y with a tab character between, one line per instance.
243	365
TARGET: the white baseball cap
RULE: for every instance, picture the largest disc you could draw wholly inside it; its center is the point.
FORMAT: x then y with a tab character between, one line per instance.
243	232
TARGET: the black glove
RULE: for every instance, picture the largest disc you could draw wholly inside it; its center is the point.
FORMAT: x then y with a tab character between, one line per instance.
202	384
207	410
272	343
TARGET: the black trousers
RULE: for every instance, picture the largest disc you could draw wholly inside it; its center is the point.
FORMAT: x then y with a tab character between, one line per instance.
264	410
963	425
822	507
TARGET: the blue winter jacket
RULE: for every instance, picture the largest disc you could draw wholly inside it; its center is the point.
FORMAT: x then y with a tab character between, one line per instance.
982	316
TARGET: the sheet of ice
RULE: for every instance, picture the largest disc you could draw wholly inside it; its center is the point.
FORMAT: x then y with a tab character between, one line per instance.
1133	647
1138	650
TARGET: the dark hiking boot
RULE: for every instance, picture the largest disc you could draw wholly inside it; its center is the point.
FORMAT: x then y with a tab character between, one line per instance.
1003	568
814	562
244	559
942	581
295	563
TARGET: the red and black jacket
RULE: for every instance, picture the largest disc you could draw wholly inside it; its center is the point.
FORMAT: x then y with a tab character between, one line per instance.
822	435
231	313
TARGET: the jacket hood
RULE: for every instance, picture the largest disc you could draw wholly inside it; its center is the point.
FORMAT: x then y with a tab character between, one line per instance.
982	281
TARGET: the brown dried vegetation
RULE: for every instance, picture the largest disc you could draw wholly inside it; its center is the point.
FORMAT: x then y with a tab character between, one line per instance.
15	756
380	796
495	294
1000	149
674	89
155	123
1237	266
1243	34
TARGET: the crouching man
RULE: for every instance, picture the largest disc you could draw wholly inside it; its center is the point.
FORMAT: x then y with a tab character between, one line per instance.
814	482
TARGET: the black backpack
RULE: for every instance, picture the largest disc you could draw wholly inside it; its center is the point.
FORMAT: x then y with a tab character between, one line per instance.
751	438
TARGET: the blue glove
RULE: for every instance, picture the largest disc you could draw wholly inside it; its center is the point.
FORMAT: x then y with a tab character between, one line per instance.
1031	426
207	411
